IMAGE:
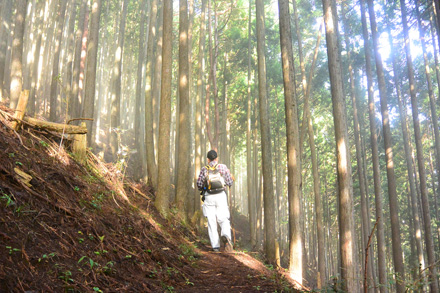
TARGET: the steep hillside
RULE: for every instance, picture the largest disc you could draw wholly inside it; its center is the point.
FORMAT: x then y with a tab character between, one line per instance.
75	227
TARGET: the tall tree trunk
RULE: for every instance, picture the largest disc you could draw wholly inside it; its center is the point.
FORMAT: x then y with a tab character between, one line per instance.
191	204
409	163
213	135
434	47
70	56
115	123
391	178
370	273
183	180
431	97
198	116
255	175
28	42
250	181
436	205
138	133
92	53
149	142
346	218
74	103
293	148
17	53
157	76
61	12
163	186
383	283
34	74
5	30
420	160
268	193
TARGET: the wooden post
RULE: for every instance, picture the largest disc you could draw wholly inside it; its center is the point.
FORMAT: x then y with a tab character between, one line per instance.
21	109
79	147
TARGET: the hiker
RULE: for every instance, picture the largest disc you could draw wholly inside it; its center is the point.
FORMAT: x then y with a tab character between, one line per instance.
212	183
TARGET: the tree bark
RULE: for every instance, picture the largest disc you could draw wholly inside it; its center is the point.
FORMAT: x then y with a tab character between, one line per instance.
74	104
391	178
163	189
370	273
268	193
213	135
61	12
149	141
420	160
383	283
250	181
17	54
138	133
115	120
198	116
5	30
34	74
183	180
345	193
157	77
71	52
92	53
431	99
293	148
409	163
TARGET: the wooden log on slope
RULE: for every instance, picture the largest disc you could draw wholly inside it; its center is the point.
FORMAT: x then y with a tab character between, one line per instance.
62	128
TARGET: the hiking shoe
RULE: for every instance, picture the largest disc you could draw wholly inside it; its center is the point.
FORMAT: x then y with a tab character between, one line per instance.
228	244
216	249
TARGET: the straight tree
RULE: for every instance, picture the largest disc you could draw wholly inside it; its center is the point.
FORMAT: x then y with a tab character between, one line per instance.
183	180
115	120
268	193
92	53
431	95
138	133
149	141
347	234
399	268
60	13
17	53
420	160
293	148
5	27
381	254
74	99
198	115
370	273
250	182
71	50
163	186
409	160
34	74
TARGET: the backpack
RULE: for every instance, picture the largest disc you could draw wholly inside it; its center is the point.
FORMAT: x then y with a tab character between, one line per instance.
214	181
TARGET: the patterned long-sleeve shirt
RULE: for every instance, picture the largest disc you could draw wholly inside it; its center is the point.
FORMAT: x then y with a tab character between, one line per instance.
224	171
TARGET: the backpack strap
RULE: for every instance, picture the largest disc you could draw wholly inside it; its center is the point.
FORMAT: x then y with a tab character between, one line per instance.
211	168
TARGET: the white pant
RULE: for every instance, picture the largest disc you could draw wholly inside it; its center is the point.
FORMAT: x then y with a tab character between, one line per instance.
215	209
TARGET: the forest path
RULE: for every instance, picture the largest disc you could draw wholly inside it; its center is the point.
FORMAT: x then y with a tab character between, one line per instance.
235	272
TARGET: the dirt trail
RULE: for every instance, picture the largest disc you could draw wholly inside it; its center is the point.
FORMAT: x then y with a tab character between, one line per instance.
238	272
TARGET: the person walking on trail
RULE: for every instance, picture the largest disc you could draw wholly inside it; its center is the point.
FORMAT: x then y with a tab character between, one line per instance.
212	183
